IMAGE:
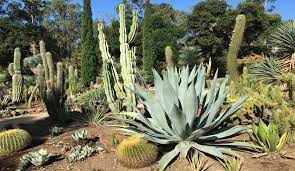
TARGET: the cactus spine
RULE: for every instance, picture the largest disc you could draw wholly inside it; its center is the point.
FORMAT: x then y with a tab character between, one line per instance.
14	140
169	57
114	90
135	152
234	47
17	78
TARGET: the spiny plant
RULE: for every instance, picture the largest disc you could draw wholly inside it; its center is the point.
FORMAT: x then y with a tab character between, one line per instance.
232	164
56	130
114	140
169	56
73	80
39	158
80	135
52	87
283	37
184	116
198	163
17	78
80	153
135	152
14	140
114	89
234	47
268	138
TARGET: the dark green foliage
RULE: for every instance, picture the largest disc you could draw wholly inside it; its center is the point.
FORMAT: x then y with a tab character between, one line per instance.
147	44
190	56
234	47
89	59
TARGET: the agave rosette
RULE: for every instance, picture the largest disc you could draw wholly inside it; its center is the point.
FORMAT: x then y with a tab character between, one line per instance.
184	114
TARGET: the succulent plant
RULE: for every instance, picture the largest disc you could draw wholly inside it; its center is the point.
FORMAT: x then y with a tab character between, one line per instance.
232	164
198	163
185	115
39	158
80	153
14	140
17	78
56	130
135	152
268	138
114	140
80	135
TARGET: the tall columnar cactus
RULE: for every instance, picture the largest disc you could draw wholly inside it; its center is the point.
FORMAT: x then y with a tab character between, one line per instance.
52	88
43	56
169	56
236	42
72	79
115	91
17	78
14	140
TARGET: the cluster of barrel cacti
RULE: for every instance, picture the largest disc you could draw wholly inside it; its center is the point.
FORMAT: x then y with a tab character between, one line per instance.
135	152
236	42
14	70
51	85
14	140
114	89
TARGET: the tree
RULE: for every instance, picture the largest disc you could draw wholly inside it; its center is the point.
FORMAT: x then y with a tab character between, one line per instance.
63	21
89	60
147	44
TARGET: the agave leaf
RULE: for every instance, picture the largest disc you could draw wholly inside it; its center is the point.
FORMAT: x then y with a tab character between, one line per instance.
178	122
272	137
224	134
166	159
189	107
237	144
282	142
208	149
262	132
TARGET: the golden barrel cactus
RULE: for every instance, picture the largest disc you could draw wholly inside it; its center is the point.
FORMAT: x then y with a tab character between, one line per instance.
14	140
135	152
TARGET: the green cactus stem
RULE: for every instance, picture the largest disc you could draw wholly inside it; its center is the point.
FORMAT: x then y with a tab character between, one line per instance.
17	78
169	57
11	69
14	140
234	47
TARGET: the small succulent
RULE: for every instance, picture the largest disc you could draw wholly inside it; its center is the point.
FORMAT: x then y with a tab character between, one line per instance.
198	163
80	135
39	158
56	130
232	164
80	153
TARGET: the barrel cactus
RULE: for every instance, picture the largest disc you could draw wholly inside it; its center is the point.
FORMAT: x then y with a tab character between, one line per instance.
14	140
135	152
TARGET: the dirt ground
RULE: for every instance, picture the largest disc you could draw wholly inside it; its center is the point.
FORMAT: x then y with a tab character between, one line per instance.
105	160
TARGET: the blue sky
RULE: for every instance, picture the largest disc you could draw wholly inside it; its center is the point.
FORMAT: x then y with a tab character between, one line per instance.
104	9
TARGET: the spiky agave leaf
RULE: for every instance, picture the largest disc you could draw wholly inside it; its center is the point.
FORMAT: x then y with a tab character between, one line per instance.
182	114
283	38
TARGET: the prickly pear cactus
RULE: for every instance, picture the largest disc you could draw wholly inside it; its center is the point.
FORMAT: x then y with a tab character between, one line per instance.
14	140
135	152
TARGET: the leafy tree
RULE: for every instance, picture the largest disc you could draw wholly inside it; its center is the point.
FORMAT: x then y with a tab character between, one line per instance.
89	60
147	44
63	21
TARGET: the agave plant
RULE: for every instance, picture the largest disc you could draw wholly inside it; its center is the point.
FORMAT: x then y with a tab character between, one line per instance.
56	130
80	153
283	38
268	138
185	115
232	164
80	135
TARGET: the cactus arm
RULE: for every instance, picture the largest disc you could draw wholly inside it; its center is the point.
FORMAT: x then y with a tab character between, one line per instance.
133	27
17	78
59	81
44	60
11	69
169	57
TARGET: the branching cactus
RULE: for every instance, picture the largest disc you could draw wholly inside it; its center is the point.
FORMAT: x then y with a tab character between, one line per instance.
115	91
235	44
52	89
17	78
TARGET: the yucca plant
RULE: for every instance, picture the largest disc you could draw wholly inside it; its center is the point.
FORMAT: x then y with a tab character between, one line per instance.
183	115
283	37
268	138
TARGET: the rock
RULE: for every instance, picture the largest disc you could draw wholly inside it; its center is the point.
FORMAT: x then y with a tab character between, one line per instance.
13	113
20	111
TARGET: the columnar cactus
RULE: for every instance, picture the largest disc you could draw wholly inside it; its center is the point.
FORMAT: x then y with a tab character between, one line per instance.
236	42
14	140
17	78
72	79
135	152
52	88
114	90
11	69
169	56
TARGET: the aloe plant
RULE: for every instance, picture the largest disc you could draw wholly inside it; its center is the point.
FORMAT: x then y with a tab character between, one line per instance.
268	138
183	115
